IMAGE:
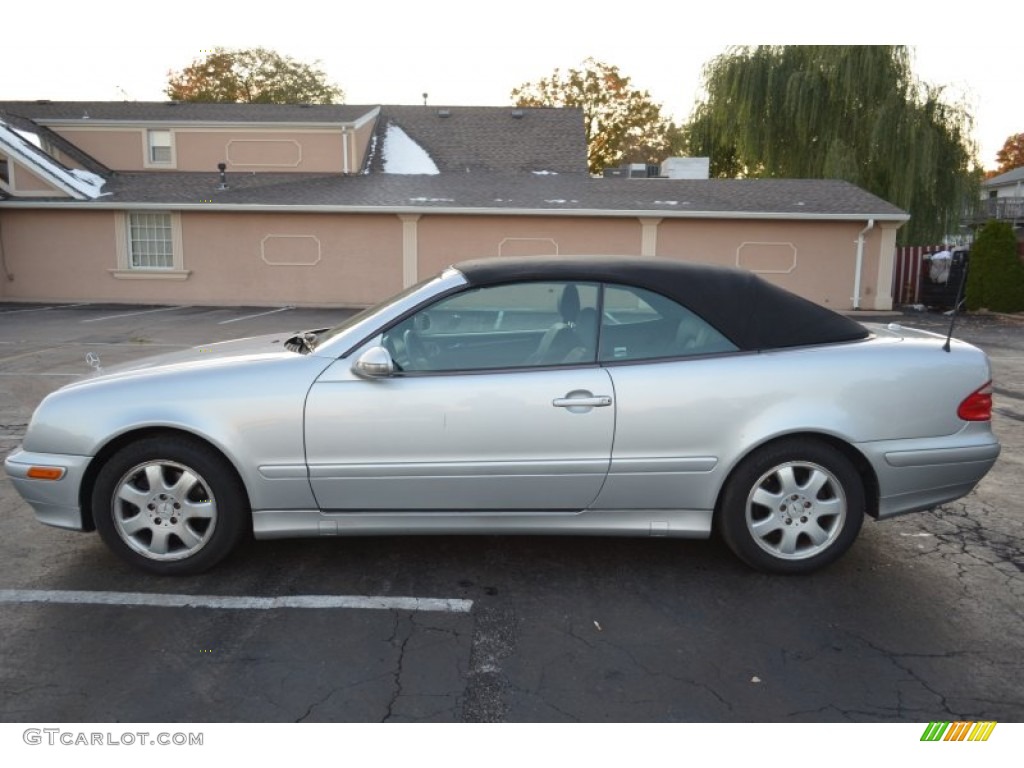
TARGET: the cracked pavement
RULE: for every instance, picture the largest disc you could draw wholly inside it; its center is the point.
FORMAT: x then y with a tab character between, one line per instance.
921	621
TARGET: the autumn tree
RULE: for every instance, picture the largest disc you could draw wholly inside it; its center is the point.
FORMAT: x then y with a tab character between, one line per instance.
847	112
622	123
1012	154
252	76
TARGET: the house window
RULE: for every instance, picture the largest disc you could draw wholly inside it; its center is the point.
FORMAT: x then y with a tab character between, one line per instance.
150	241
159	148
149	246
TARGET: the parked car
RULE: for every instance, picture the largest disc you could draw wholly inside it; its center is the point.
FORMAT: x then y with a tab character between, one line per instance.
608	396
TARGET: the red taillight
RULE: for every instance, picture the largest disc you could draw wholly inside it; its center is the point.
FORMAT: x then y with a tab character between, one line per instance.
977	406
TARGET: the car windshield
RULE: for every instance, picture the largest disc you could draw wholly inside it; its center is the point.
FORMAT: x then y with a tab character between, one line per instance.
364	314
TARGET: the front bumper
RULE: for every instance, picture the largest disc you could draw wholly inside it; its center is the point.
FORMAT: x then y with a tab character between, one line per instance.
56	502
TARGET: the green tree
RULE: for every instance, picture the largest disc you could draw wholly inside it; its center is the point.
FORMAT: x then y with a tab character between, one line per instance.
1012	154
849	112
995	279
622	123
252	76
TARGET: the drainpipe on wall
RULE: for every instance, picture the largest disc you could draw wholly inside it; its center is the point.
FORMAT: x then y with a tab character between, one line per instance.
344	151
860	262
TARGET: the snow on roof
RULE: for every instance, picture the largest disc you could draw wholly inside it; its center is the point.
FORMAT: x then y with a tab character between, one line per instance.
77	182
402	155
30	136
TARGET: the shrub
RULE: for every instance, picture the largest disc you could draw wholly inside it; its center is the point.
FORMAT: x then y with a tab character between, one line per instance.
995	280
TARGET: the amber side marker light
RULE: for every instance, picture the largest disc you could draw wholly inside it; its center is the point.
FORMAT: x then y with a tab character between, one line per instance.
45	473
977	406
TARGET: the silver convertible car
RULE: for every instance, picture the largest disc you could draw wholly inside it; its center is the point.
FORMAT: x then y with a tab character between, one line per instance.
607	396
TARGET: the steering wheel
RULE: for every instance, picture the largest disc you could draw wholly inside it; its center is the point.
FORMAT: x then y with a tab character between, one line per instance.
417	350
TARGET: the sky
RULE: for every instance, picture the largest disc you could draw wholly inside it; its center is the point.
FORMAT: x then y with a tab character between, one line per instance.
472	53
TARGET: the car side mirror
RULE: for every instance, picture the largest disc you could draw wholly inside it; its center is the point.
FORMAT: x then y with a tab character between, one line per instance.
374	363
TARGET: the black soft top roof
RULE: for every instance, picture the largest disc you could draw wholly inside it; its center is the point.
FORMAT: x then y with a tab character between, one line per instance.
751	312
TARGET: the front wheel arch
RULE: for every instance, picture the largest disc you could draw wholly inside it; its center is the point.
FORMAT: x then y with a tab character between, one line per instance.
111	448
170	504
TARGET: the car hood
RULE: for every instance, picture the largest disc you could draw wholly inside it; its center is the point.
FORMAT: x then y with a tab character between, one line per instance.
202	356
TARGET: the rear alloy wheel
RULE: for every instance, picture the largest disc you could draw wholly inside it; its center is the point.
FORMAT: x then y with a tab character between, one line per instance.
792	507
171	506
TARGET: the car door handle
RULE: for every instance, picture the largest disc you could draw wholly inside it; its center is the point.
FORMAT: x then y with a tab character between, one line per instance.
600	401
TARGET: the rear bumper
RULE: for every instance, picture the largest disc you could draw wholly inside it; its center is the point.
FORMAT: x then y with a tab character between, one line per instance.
922	473
56	502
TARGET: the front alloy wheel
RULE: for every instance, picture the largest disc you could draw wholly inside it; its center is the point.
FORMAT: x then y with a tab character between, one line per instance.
164	511
169	504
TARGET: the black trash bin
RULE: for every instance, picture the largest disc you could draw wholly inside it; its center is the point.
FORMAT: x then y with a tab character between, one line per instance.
941	279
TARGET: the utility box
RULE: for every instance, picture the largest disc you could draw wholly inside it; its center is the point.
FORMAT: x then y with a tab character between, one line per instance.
686	168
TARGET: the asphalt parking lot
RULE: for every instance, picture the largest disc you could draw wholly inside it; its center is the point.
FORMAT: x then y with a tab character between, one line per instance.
921	621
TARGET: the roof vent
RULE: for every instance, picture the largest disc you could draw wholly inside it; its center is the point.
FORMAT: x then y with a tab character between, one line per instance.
517	113
43	101
444	113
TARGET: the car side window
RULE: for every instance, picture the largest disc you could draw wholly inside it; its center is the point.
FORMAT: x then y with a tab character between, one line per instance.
518	325
637	324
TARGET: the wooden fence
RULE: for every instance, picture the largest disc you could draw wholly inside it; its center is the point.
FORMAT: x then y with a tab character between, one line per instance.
906	274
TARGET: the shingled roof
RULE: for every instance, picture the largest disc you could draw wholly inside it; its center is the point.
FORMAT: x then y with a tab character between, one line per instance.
458	139
54	139
488	139
550	194
179	111
497	160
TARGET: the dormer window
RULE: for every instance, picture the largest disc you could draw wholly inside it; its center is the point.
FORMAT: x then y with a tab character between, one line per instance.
160	150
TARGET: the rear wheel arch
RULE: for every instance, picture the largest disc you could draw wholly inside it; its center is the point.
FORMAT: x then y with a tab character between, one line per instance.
795	503
859	461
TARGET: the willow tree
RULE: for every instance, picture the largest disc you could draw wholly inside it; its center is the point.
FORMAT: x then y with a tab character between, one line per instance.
840	112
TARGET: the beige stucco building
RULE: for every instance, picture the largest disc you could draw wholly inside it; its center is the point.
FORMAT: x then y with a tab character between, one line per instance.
343	205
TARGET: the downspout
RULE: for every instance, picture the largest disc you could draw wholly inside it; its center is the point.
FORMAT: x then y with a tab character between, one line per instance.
344	151
860	262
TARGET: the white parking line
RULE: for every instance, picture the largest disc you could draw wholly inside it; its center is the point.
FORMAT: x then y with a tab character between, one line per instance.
157	600
9	373
33	309
258	314
27	353
44	309
132	314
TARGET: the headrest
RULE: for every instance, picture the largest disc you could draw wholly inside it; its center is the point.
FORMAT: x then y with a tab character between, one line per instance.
569	303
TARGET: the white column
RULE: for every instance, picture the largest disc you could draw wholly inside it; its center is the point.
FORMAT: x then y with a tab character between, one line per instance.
649	236
886	254
410	249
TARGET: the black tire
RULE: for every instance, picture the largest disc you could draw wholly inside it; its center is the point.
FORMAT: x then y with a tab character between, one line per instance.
170	505
793	506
